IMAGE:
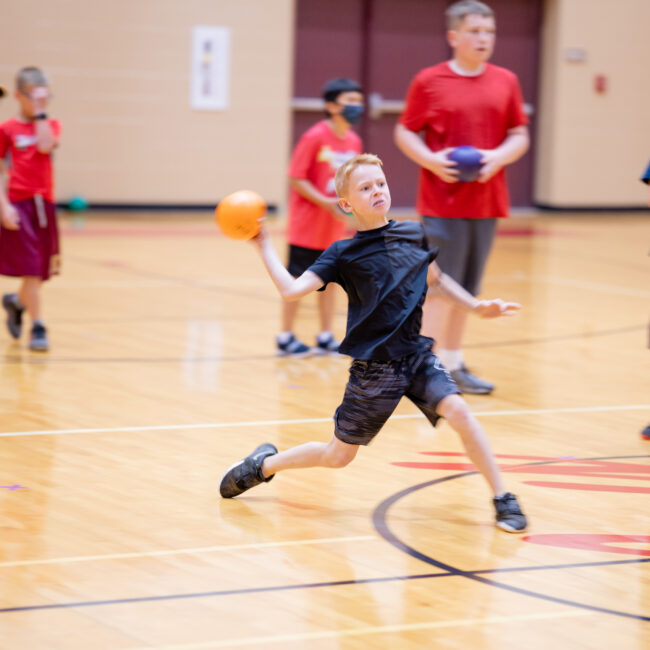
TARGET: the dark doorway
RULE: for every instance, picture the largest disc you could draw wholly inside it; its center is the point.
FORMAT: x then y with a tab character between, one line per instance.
383	44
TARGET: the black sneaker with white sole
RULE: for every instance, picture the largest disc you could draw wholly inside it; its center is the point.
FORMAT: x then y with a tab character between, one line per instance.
469	383
246	473
509	515
14	314
327	346
38	340
293	348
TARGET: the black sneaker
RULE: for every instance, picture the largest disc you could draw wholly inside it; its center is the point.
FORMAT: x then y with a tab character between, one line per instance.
246	473
509	515
645	434
328	346
38	341
14	314
468	383
293	348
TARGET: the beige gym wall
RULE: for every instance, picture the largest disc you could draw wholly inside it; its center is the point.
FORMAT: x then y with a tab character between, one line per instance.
592	148
120	73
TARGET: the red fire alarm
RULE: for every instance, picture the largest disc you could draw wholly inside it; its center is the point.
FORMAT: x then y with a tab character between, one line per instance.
600	83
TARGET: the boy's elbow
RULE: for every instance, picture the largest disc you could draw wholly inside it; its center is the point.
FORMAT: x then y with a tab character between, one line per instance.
525	140
288	295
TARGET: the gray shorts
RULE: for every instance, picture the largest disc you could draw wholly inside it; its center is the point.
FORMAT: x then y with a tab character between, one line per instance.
463	247
375	388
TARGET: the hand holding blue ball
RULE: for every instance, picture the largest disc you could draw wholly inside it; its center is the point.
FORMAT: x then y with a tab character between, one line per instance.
468	160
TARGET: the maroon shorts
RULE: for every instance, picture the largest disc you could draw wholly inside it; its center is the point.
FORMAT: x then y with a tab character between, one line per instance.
33	249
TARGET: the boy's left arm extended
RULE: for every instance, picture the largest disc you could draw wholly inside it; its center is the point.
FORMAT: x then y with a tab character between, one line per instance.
290	288
446	287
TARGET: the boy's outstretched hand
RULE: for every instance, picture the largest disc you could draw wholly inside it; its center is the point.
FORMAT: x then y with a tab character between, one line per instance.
495	308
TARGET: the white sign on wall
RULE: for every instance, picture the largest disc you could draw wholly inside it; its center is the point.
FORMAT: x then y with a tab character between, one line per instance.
210	73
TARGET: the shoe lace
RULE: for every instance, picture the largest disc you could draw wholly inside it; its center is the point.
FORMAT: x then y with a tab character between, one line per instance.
509	505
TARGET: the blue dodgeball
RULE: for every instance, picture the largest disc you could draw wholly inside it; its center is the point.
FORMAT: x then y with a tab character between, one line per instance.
469	162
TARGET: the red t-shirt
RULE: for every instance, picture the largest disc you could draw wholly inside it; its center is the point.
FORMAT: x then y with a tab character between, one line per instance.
454	110
30	170
316	157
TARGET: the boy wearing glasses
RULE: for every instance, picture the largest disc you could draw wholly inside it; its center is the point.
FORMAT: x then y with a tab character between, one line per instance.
29	238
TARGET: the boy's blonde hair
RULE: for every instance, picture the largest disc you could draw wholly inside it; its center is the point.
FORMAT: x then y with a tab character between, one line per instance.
459	10
30	76
344	171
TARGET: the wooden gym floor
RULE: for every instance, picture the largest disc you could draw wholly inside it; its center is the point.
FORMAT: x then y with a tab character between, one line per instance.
162	373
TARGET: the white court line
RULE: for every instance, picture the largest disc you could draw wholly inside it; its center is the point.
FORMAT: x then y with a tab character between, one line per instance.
261	641
147	284
267	423
187	551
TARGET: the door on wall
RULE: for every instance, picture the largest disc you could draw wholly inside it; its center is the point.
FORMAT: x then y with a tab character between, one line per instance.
383	44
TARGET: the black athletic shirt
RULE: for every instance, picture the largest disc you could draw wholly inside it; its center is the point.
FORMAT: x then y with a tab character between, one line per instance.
384	273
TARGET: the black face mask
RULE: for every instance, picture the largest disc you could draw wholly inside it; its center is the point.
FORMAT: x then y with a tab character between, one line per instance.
351	113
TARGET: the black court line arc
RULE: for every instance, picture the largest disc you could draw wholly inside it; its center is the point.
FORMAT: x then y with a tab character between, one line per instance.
379	519
447	570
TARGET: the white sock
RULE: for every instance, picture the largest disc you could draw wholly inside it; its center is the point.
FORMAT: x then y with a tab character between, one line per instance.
450	359
324	336
284	337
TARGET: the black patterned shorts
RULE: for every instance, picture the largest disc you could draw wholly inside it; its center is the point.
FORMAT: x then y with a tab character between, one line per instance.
375	388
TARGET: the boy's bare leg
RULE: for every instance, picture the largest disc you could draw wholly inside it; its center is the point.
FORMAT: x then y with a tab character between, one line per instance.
29	295
289	311
334	453
455	410
327	307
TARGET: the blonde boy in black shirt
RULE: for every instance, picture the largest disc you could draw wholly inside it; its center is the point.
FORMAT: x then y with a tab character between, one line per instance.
385	269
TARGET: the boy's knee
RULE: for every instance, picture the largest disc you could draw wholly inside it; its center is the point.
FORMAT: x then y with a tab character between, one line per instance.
454	407
341	455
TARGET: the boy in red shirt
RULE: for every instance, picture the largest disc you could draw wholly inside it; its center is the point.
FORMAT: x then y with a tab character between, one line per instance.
29	239
315	220
465	101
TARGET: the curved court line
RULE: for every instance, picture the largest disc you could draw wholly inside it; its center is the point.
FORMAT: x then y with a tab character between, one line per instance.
266	423
379	519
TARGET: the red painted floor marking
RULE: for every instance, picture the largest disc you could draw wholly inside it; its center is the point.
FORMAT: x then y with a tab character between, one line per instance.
593	542
591	487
